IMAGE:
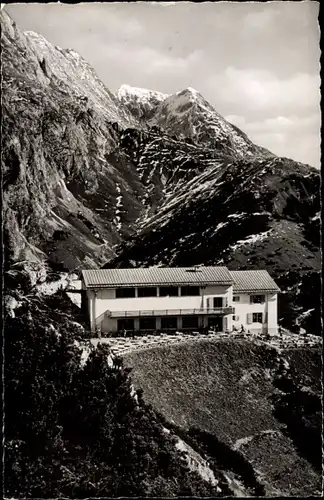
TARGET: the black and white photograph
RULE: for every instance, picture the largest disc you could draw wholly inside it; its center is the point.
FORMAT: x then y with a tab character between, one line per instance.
161	242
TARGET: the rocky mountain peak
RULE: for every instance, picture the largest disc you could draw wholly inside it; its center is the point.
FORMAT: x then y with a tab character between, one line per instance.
188	115
190	93
126	92
141	102
185	101
192	90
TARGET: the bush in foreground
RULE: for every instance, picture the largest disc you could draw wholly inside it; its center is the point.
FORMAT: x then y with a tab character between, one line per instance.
78	431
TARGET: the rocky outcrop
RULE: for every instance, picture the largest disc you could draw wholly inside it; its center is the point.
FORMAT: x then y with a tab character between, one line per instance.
62	168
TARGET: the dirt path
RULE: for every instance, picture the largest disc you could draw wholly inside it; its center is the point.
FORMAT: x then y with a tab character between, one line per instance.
120	346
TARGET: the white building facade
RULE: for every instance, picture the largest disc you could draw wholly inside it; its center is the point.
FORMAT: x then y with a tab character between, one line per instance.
179	299
255	304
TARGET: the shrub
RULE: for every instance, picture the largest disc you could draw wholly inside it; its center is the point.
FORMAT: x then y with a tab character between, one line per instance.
74	431
301	412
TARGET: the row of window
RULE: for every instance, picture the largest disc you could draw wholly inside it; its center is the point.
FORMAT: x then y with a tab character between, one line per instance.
164	291
171	322
167	323
254	299
173	291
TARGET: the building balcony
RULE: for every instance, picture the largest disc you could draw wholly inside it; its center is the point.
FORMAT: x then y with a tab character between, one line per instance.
171	312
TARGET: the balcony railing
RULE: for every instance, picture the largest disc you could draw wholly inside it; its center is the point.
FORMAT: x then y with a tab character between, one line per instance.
171	312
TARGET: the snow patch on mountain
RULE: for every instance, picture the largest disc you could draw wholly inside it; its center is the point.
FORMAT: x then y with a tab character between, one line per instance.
119	204
126	92
316	217
142	103
254	238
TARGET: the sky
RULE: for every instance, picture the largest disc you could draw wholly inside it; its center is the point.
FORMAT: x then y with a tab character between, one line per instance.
256	63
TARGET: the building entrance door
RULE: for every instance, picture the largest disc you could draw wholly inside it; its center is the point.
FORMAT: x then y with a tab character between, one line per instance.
216	323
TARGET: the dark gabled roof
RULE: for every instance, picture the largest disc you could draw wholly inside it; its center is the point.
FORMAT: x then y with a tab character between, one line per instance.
253	281
151	276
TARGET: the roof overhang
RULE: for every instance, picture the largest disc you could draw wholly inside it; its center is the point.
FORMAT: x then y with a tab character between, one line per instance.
132	285
263	290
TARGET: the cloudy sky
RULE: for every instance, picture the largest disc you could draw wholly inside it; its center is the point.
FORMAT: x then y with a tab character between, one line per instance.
256	63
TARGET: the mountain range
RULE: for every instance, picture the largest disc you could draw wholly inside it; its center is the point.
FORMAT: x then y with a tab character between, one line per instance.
141	178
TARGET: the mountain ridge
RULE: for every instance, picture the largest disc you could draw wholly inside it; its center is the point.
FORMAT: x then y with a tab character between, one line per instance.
188	115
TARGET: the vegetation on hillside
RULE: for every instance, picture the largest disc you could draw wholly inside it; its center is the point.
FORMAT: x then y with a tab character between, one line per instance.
78	431
302	294
221	457
298	406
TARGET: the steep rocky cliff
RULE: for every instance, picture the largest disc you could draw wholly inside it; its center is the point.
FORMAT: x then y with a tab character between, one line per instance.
67	187
81	171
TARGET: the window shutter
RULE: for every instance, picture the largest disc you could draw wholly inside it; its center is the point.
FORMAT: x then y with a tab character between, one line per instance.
225	324
249	318
207	303
265	317
226	301
251	299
